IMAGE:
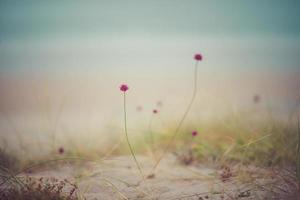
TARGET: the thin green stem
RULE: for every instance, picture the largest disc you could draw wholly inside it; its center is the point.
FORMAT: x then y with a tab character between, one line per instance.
127	138
172	139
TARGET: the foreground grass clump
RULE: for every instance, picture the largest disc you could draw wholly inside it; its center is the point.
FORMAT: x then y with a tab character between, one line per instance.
240	140
266	144
8	160
40	189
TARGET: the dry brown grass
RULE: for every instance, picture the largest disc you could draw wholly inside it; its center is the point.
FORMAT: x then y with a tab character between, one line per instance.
39	189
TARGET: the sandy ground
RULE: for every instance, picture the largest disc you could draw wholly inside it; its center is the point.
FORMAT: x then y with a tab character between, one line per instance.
118	178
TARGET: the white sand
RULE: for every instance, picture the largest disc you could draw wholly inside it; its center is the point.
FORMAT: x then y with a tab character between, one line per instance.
118	178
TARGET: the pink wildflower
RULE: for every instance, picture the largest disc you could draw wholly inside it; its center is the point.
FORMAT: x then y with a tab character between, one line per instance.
194	133
198	57
124	87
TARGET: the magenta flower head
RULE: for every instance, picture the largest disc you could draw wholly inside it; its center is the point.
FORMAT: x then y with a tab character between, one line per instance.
124	87
155	111
194	133
198	57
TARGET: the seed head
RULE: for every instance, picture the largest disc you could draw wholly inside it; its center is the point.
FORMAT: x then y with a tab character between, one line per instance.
61	150
159	103
139	108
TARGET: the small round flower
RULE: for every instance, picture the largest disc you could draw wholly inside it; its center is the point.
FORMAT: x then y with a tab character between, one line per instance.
198	57
124	87
61	150
159	103
139	108
194	133
155	111
256	98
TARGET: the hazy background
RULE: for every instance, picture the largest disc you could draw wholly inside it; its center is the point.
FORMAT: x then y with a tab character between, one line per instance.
61	62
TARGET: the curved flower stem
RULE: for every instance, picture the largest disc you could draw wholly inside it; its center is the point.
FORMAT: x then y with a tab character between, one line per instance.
151	134
298	154
127	138
172	139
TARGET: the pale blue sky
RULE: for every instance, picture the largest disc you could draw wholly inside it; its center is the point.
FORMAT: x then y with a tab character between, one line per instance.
42	19
241	34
